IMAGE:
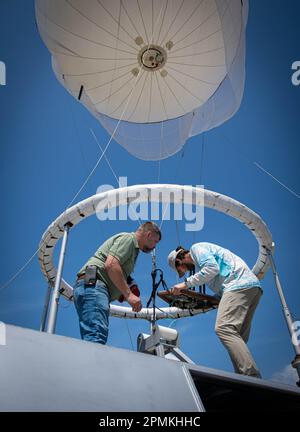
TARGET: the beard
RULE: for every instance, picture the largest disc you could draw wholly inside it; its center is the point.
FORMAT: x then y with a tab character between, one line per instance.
190	266
146	249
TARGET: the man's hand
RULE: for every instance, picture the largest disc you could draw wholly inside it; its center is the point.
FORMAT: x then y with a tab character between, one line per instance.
135	302
176	290
134	289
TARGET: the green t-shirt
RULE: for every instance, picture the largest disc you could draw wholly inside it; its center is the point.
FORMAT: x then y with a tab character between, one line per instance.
124	247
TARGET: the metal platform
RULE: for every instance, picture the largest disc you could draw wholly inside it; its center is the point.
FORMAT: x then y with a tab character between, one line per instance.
45	372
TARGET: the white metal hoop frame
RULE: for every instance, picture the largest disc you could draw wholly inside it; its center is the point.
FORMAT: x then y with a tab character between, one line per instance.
162	193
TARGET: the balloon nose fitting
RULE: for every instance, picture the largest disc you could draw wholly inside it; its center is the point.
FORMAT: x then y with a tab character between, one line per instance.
152	57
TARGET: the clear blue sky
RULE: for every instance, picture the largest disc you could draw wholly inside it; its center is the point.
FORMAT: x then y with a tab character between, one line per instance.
47	151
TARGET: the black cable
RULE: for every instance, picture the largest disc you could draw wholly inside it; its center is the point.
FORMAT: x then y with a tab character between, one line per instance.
155	286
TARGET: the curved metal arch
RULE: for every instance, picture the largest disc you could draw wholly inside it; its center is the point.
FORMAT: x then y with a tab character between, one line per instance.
162	193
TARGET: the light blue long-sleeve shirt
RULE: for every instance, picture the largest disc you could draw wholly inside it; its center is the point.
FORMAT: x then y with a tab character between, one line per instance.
221	270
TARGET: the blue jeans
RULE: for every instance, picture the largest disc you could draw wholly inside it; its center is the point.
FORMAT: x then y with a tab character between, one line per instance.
92	305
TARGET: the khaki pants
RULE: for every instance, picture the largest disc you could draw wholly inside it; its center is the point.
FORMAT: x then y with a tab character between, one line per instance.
235	313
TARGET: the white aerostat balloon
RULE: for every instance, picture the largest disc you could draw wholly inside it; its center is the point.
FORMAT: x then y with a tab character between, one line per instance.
168	69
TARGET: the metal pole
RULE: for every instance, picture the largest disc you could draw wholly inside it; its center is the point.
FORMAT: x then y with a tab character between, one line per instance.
287	315
153	274
56	293
153	259
45	310
159	349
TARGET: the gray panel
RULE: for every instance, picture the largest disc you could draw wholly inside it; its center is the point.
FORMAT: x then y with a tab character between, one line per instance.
44	372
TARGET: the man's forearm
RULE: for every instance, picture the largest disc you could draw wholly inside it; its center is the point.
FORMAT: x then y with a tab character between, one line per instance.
115	274
204	276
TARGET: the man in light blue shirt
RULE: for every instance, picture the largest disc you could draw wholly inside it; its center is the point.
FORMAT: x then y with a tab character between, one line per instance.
239	289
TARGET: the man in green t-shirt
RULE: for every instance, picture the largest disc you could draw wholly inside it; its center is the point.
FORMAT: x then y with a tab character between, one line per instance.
103	279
